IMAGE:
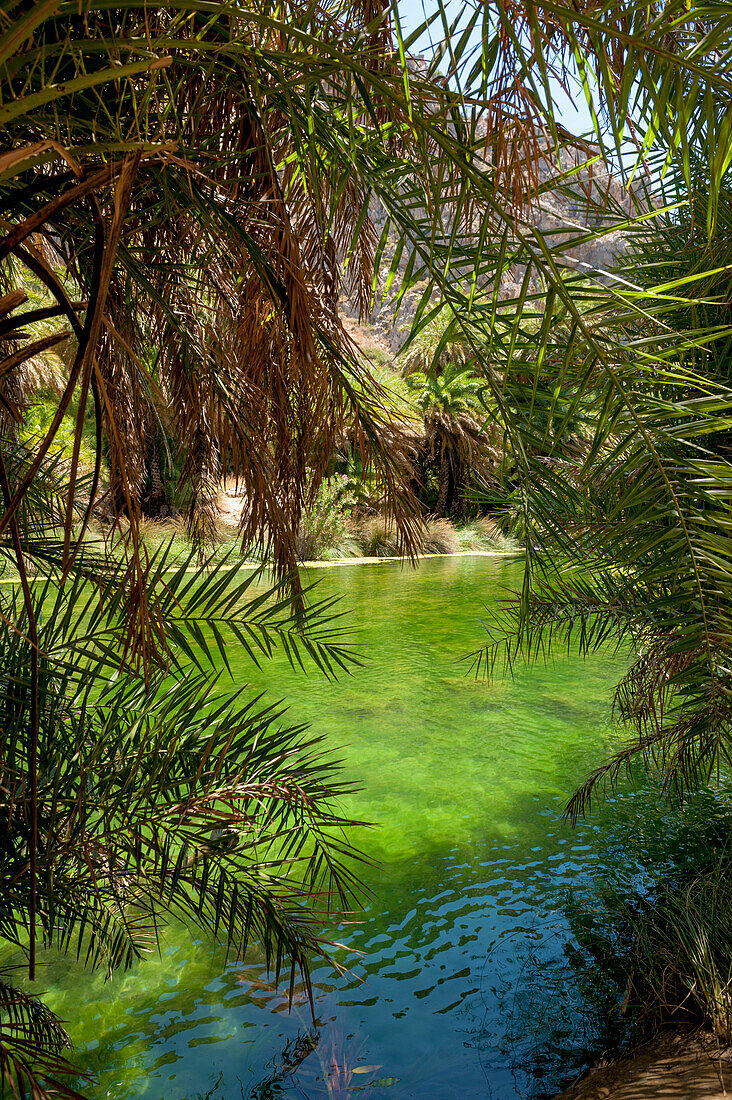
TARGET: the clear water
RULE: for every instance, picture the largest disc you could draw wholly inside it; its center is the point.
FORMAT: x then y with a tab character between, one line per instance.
461	989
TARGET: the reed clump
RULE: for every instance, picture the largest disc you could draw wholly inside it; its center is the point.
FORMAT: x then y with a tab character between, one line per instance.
379	538
680	963
646	960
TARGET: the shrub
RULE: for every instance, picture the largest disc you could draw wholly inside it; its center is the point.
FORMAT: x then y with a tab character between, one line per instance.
469	538
645	958
440	537
378	537
378	356
40	412
324	530
485	534
348	547
492	534
681	963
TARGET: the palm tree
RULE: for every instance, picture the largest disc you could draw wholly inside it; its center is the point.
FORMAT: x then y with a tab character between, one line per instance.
131	795
458	437
439	343
182	190
191	185
223	239
625	535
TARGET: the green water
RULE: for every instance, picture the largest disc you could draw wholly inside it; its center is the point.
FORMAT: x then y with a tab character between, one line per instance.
455	993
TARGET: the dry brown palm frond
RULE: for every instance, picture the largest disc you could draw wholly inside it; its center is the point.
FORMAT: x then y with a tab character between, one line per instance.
273	405
43	372
222	344
257	371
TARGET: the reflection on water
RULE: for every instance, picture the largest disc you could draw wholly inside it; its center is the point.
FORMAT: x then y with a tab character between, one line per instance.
465	922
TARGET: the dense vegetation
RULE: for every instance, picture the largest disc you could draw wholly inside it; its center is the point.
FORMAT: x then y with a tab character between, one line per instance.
188	189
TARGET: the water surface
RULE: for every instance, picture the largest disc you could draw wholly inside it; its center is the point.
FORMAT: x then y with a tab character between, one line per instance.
459	988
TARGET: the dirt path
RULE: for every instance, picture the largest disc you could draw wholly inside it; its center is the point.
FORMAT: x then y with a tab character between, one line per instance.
676	1066
229	504
363	335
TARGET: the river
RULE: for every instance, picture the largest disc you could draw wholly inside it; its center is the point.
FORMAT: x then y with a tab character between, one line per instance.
462	987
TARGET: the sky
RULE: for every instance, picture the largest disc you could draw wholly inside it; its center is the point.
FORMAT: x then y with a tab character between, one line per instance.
573	113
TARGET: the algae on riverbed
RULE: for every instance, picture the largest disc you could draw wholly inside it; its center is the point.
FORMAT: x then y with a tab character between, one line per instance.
465	782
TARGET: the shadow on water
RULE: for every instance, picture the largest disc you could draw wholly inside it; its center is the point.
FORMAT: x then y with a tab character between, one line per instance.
462	985
463	979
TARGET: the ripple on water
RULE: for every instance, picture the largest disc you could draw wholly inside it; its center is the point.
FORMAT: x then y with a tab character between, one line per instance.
468	913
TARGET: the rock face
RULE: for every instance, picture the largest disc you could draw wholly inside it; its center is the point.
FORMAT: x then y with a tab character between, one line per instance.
592	199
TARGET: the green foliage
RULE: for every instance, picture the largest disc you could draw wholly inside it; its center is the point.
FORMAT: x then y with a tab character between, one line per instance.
324	529
453	393
378	357
152	794
31	1045
439	344
649	958
41	410
682	952
158	792
616	403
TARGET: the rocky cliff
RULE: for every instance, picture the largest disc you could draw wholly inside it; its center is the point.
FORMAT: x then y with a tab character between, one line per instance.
572	201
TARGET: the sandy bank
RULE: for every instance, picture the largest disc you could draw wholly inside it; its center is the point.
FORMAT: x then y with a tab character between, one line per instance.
374	560
679	1065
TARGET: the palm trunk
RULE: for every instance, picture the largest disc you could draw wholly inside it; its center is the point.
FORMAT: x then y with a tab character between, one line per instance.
154	502
457	502
444	494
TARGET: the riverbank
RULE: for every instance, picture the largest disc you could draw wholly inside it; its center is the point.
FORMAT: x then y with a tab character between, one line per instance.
677	1065
479	538
11	576
329	563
